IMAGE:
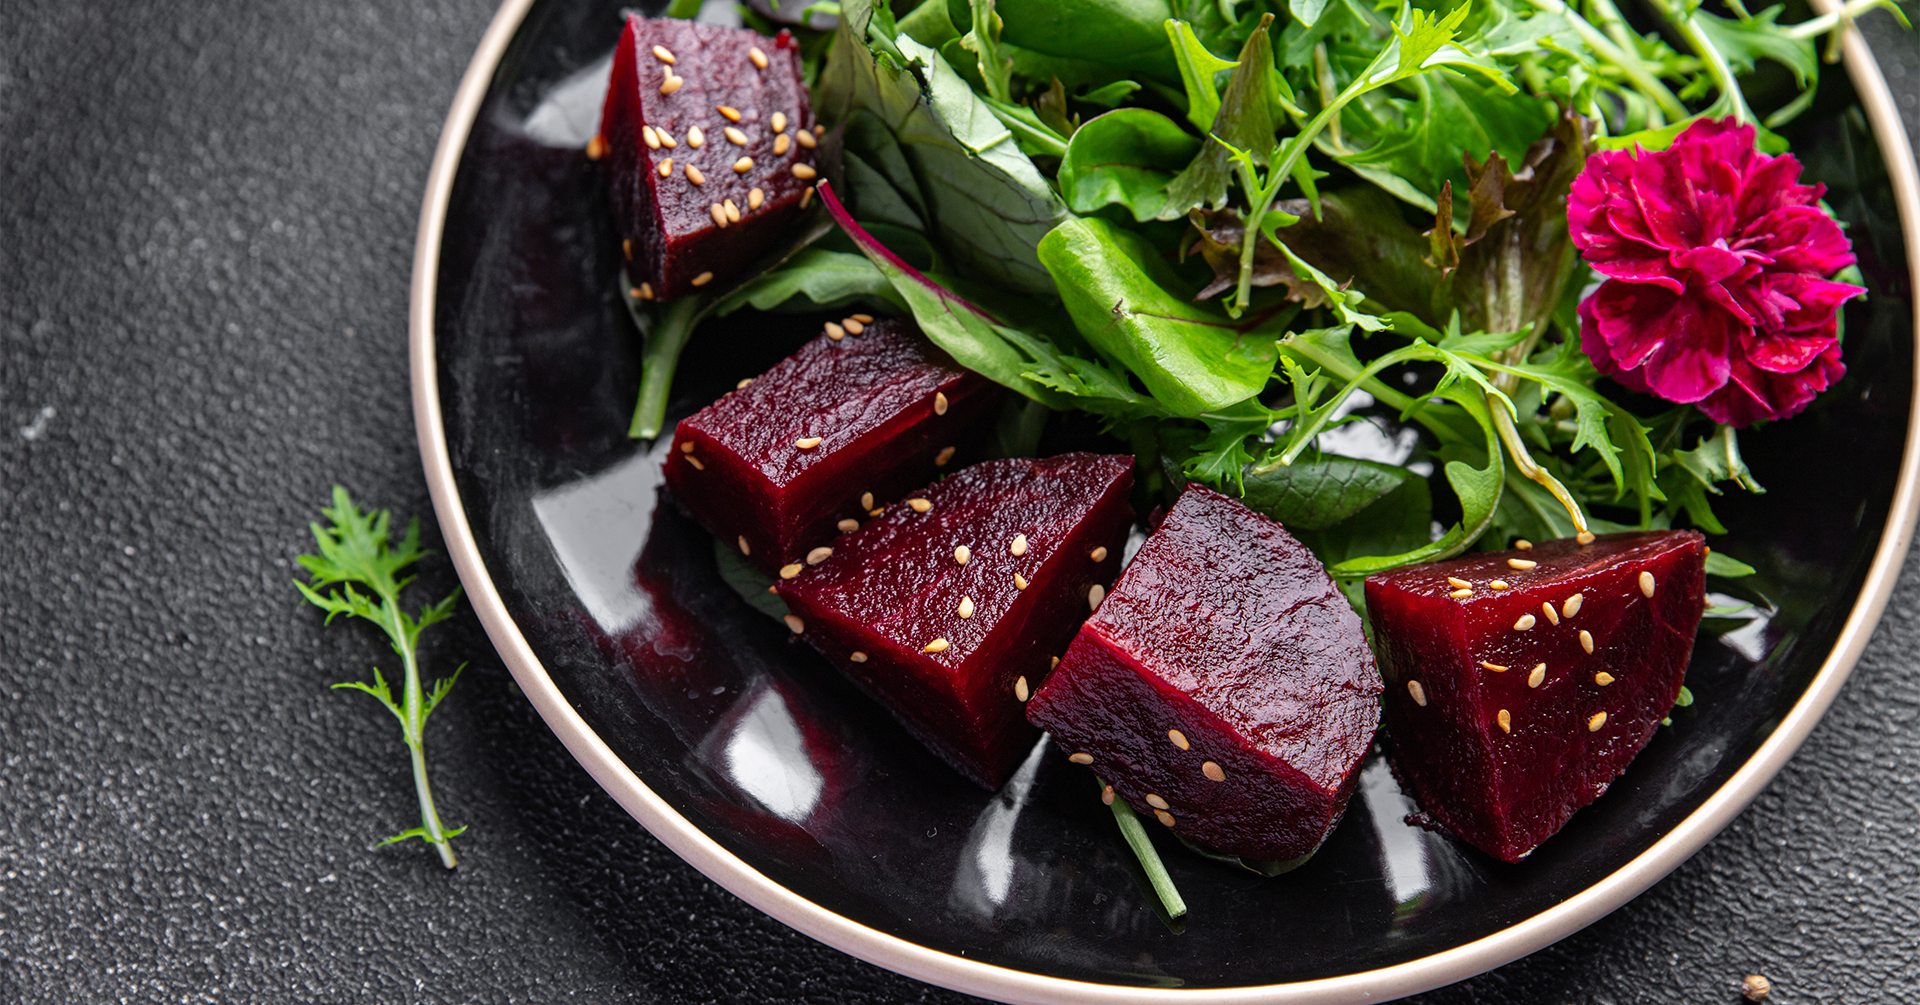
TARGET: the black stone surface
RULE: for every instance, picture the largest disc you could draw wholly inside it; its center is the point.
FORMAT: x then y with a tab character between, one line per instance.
206	224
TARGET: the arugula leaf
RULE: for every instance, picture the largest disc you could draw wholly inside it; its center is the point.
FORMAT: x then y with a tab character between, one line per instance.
1198	70
1246	119
356	550
1128	157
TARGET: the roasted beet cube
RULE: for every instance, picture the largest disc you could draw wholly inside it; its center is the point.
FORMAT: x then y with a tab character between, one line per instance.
950	607
829	434
1224	686
1520	683
708	138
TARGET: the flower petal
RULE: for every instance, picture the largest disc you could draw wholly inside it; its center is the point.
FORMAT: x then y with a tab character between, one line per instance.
1679	343
1753	395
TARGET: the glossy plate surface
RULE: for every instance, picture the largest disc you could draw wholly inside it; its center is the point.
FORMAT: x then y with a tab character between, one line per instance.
753	760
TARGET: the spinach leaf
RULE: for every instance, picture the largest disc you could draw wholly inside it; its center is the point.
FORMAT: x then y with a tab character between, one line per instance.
1125	34
1396	523
1126	156
1317	494
813	279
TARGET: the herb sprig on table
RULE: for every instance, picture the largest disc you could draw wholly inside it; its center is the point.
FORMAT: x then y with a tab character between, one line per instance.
355	550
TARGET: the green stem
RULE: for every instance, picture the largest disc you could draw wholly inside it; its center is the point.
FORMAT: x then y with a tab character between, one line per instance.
1142	845
1717	67
1628	62
412	731
661	356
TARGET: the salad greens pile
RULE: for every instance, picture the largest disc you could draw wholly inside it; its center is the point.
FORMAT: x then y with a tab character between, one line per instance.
1229	228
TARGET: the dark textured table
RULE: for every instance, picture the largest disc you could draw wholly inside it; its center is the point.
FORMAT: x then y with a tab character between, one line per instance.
206	226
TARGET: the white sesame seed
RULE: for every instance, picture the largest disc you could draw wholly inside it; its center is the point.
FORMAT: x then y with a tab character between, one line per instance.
1505	721
1522	564
695	138
1019	581
1584	537
666	168
966	608
865	319
1081	758
733	211
666	139
1572	606
940	459
1646	585
806	139
1098	554
1164	817
794	623
754	198
695	176
779	122
735	136
1495	667
1498	584
596	148
1019	545
936	646
835	332
857	656
1538	675
745	548
652	138
866	500
818	555
1419	693
1525	622
1546	608
1020	689
1055	663
626	248
719	215
807	442
962	553
1461	594
1154	800
1106	795
806	197
645	291
732	114
672	84
661	53
1586	641
848	525
1212	771
919	505
1599	719
1459	584
1095	594
686	446
759	58
1523	545
1603	678
939	403
1178	739
805	172
695	461
790	571
852	325
780	145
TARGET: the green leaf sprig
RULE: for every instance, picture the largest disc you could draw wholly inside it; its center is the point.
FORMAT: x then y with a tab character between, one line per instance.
355	551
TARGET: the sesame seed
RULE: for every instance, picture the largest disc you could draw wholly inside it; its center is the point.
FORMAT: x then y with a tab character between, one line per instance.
1522	564
636	294
626	248
672	83
1603	678
848	525
819	131
719	215
1525	622
1154	800
835	332
596	148
1523	545
1755	987
1055	663
645	291
790	571
780	145
962	553
652	138
1098	554
1212	771
1498	584
686	446
754	198
779	122
1546	608
1572	606
805	172
866	500
1584	537
857	656
865	319
1019	581
1178	739
695	461
771	588
1095	594
1646	585
735	136
806	197
806	139
1586	641
919	505
759	58
701	280
732	114
1538	675
661	53
852	325
876	511
939	403
744	381
1461	594
794	623
1505	721
966	608
940	459
1106	795
807	442
666	168
1164	817
1020	689
1495	667
745	548
733	211
1599	719
936	646
1019	545
818	555
1419	693
1081	758
666	139
695	176
1459	584
695	138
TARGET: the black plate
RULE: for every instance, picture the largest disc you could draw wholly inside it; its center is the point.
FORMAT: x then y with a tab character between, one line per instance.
763	748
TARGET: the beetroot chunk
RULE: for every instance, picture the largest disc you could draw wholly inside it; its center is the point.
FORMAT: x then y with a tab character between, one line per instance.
705	172
950	607
1224	686
829	434
1520	683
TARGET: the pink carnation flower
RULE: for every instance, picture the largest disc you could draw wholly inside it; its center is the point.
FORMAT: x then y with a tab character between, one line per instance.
1716	260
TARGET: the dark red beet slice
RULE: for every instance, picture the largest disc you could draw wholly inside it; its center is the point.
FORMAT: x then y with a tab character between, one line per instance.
950	640
1515	704
1224	686
702	217
831	432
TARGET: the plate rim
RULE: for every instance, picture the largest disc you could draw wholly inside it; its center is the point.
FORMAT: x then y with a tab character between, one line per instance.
1024	987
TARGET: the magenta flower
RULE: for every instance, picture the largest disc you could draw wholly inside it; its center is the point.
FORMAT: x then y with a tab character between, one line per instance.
1716	260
